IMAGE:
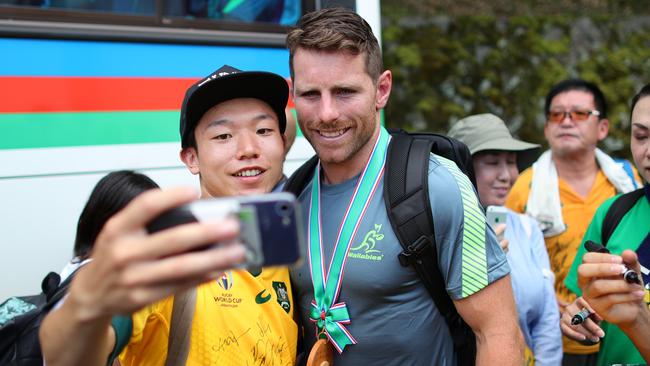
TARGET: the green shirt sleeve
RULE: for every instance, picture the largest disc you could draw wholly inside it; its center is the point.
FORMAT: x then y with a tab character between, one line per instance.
594	233
123	326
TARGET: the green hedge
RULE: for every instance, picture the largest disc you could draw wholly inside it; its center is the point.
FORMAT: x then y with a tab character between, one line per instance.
446	67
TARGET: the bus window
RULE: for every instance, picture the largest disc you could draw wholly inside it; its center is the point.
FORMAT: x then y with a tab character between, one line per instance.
140	7
253	15
283	12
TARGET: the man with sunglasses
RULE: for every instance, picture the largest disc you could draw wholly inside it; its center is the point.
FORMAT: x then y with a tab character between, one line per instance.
563	189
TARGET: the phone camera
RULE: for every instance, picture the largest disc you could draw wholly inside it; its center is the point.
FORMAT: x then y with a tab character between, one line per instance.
283	209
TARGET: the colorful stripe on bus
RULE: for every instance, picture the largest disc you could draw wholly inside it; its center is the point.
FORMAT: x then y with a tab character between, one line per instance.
58	93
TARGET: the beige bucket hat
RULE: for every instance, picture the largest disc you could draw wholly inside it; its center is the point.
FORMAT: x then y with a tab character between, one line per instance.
482	132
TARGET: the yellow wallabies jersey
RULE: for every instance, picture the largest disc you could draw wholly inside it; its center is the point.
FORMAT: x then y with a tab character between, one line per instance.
240	319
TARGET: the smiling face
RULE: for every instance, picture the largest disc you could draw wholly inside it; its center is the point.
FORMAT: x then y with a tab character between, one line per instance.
640	143
338	106
496	172
239	151
569	137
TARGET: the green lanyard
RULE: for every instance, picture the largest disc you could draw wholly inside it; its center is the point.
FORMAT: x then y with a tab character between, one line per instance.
330	317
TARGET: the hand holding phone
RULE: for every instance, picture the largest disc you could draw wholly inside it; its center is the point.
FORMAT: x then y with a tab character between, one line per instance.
269	224
157	265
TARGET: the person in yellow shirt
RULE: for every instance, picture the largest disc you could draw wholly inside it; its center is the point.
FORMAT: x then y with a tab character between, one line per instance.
565	186
232	125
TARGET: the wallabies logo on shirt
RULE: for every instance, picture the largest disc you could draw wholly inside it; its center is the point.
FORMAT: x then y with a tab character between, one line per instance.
282	295
366	250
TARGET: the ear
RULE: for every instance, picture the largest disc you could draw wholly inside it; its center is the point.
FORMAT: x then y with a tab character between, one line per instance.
290	85
603	129
284	146
190	158
384	85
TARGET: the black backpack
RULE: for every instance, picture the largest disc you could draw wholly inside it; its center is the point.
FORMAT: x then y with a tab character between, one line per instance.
407	203
616	211
19	344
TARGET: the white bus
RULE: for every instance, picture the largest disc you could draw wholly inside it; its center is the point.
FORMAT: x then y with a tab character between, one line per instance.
93	86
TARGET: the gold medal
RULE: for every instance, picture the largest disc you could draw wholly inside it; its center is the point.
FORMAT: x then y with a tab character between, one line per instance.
321	354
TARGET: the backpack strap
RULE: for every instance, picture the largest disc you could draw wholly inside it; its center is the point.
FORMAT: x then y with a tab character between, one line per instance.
616	211
406	195
178	346
50	284
298	180
54	295
446	147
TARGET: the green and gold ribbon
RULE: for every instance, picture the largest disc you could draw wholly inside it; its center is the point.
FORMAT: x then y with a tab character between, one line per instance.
329	315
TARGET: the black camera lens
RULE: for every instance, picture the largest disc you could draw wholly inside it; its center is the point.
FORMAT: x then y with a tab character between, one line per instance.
283	209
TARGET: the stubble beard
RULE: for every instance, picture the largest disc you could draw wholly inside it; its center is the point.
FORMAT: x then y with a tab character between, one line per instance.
364	132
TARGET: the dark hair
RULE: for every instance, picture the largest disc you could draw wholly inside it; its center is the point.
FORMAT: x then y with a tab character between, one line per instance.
644	92
111	194
578	84
334	29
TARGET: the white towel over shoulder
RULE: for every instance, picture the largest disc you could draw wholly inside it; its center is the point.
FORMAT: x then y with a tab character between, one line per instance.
544	198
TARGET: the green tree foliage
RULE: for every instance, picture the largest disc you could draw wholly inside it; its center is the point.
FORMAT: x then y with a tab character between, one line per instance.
450	60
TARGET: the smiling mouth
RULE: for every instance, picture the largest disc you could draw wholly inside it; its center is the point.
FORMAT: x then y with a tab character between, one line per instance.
248	173
332	134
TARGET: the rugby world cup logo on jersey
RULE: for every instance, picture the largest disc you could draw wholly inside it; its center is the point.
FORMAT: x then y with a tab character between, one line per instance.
227	298
225	281
367	249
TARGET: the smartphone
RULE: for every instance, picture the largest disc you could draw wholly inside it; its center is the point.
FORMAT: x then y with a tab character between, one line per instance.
496	215
270	226
278	222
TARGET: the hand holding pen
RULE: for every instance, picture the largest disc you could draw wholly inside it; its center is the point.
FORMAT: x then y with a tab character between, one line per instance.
629	275
599	277
580	322
580	317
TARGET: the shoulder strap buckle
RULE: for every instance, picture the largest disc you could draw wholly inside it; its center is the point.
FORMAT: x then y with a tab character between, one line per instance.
414	251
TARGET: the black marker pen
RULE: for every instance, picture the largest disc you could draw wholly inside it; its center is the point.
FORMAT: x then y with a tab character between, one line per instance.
580	317
629	275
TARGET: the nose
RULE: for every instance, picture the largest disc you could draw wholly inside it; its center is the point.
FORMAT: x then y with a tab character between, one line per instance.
328	110
504	172
566	118
247	146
